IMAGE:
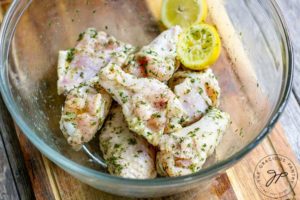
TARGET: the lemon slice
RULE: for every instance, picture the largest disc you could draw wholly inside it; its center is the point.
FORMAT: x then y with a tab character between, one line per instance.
199	46
183	12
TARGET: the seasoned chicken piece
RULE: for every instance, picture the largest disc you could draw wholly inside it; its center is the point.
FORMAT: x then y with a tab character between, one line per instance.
158	59
149	106
197	91
83	114
185	151
81	64
127	154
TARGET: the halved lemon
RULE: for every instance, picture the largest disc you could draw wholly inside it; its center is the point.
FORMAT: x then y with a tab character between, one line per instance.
199	46
183	12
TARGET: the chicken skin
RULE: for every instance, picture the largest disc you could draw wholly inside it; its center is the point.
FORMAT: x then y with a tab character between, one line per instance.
185	151
81	64
197	91
149	106
127	154
158	59
83	114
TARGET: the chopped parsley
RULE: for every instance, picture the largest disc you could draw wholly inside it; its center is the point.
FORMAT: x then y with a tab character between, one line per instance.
93	33
187	91
80	36
241	132
81	74
193	168
124	98
151	52
93	123
200	91
70	55
70	114
117	168
156	115
193	132
132	141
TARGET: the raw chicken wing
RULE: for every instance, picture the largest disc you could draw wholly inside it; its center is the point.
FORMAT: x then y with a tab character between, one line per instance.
83	114
158	59
127	154
81	64
185	151
149	106
197	91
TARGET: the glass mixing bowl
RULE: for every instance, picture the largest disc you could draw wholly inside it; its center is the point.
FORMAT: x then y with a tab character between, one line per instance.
254	72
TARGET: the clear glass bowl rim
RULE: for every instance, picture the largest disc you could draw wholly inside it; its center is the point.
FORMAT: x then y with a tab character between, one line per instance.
7	30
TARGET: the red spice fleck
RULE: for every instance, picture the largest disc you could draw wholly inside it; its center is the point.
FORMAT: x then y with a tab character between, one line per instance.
143	61
161	103
142	70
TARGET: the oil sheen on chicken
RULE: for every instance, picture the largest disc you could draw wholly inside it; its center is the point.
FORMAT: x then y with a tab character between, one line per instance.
126	153
185	151
149	106
83	114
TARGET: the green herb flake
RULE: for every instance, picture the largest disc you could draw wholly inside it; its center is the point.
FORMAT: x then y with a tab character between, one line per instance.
70	114
81	74
241	133
70	55
187	91
80	36
200	91
193	168
156	115
93	33
132	141
93	123
124	97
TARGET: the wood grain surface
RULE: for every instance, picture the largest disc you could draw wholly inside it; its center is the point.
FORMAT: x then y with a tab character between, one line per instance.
34	176
14	179
51	182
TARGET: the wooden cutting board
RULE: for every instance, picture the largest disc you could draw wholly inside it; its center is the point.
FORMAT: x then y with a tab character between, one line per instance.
50	182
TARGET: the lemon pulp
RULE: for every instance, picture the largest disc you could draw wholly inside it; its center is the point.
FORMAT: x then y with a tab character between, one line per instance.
199	46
